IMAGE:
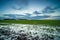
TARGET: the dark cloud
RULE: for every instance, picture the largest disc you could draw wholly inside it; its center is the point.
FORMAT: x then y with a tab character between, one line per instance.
50	9
16	8
36	12
13	15
27	14
56	17
36	17
10	16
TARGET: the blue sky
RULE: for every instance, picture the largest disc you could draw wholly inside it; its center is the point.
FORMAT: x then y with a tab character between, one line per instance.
30	9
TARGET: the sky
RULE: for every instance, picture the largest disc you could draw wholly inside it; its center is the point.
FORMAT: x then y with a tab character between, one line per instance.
30	9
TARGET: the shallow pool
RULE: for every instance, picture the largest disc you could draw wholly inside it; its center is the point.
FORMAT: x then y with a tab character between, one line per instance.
29	32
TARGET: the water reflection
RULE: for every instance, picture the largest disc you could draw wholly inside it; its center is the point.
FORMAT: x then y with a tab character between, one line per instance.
29	32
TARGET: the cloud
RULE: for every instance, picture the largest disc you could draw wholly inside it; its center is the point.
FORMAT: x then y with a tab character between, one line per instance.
17	8
36	12
50	9
27	14
40	17
10	15
16	16
56	17
52	18
32	16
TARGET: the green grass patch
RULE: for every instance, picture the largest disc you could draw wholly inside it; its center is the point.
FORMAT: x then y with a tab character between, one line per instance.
46	22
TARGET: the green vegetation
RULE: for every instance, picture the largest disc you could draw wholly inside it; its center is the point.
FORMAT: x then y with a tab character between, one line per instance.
46	22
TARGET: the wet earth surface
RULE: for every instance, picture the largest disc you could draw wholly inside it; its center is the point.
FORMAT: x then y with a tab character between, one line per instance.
29	32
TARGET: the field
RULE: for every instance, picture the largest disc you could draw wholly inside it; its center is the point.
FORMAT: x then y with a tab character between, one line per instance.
43	22
29	29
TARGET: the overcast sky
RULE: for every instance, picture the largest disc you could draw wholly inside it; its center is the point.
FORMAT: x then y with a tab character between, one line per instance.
49	8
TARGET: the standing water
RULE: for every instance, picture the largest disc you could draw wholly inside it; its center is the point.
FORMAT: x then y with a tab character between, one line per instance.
29	32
